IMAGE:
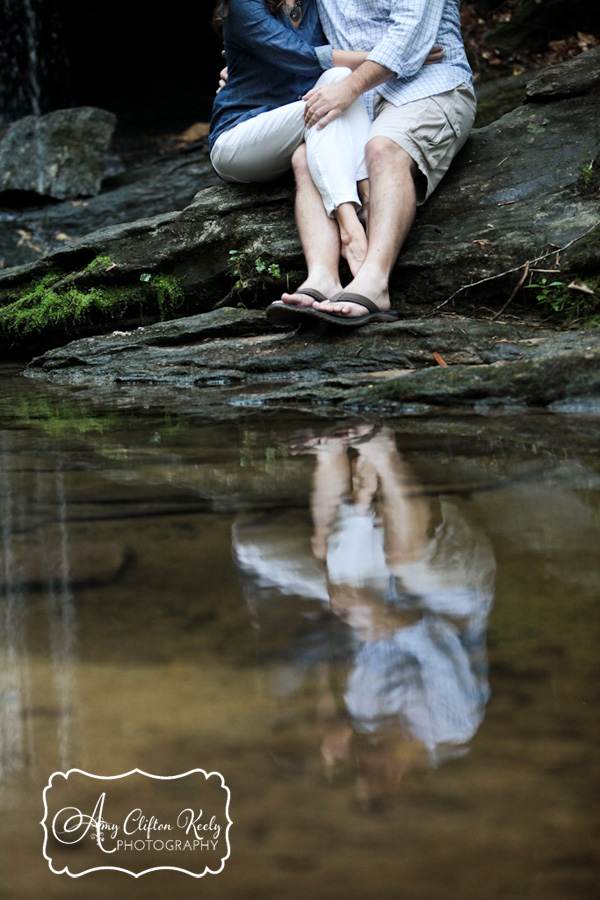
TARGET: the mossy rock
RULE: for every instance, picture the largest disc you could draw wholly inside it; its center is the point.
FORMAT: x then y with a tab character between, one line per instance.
55	304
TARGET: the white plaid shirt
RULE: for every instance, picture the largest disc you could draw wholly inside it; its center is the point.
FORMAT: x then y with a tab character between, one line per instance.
399	34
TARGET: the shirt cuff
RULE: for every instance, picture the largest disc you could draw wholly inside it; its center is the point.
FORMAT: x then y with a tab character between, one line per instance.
387	56
325	56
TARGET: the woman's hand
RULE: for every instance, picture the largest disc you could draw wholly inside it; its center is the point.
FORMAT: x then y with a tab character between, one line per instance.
223	75
435	55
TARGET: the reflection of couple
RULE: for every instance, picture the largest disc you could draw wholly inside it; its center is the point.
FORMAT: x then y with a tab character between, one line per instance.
377	131
409	583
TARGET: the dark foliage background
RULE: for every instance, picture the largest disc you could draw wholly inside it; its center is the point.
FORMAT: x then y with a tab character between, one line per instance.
156	66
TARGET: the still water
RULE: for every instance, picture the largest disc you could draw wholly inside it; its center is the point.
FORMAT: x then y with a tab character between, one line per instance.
383	634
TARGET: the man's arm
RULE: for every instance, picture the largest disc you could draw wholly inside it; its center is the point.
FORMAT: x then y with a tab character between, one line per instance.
325	103
412	28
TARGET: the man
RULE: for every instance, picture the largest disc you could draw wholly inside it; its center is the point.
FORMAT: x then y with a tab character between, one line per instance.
422	116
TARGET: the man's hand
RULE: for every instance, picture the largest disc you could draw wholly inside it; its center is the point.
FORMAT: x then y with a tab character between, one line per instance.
325	103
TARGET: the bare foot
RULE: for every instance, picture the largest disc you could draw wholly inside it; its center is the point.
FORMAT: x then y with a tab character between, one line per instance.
371	283
352	235
325	285
354	247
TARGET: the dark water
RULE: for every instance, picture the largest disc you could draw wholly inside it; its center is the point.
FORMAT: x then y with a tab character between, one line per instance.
384	635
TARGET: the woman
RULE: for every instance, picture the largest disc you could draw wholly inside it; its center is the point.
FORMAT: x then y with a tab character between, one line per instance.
275	52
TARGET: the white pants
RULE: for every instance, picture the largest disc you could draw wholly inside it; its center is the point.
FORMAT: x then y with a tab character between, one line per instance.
261	148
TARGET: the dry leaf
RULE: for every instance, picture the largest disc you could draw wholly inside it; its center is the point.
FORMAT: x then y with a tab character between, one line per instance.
578	286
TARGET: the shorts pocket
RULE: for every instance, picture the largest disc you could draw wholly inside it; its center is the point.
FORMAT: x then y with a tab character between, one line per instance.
459	107
444	123
434	132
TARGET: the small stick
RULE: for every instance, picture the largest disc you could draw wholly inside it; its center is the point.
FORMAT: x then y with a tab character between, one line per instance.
530	262
514	293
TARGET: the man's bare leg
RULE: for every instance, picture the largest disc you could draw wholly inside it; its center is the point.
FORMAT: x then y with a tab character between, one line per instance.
393	203
319	235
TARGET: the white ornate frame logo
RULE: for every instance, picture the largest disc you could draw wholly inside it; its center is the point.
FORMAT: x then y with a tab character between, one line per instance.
112	778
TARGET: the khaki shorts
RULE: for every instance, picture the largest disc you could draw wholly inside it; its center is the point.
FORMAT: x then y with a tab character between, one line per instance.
432	131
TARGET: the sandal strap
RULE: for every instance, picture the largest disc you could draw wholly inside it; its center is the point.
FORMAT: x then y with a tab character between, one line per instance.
349	297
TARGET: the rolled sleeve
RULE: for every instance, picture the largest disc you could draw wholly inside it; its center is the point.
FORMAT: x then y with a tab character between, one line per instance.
325	56
413	27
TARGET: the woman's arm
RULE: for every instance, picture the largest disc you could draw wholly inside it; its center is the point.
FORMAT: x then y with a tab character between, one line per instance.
349	58
352	59
251	27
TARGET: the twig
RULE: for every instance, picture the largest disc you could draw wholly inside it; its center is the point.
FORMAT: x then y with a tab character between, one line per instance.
529	263
514	293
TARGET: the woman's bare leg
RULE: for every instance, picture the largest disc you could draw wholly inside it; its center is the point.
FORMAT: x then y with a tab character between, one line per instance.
352	236
320	237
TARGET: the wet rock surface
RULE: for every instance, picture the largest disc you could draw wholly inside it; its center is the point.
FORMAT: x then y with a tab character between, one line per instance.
409	366
237	344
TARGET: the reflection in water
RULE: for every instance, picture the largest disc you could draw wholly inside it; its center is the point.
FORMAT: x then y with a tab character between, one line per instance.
15	690
26	557
371	607
61	614
409	584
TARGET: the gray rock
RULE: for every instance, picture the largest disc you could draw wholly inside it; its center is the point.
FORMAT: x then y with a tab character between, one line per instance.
167	183
57	155
397	368
232	345
564	378
514	195
499	96
567	79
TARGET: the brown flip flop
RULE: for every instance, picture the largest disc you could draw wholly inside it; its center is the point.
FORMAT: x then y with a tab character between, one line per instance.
285	315
374	314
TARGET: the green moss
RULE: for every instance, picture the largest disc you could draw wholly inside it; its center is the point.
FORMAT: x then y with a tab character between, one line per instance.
100	262
168	293
56	419
589	176
54	302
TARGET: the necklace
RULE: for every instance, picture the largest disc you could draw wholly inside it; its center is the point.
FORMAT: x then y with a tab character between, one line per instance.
293	12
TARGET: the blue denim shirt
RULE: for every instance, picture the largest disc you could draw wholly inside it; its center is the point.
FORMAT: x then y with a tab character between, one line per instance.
270	62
